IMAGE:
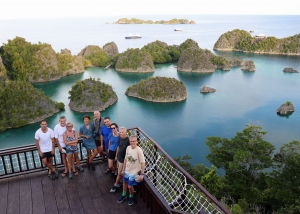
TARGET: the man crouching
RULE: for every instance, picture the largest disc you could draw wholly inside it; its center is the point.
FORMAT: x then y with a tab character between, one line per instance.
133	163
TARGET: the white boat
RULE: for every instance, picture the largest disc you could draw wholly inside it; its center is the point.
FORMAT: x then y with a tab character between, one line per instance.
133	36
178	29
251	31
260	35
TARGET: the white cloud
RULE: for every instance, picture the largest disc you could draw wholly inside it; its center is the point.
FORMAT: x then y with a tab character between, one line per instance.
69	8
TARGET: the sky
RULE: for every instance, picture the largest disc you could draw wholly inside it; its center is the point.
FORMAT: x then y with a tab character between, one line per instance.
14	9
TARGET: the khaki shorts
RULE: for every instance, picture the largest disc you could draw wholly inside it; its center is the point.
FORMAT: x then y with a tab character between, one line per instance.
120	167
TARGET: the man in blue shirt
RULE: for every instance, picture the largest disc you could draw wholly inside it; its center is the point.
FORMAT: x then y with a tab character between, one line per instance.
105	131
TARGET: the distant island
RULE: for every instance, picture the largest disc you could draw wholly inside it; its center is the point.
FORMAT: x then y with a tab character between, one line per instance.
141	21
158	89
242	41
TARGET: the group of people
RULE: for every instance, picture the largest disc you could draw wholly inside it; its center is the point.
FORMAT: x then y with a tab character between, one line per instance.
126	160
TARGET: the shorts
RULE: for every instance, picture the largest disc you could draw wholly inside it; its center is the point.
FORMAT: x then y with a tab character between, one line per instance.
129	178
47	155
98	143
120	167
62	148
111	154
71	149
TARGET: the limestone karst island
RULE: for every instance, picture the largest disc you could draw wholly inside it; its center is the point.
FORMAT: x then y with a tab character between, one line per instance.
140	21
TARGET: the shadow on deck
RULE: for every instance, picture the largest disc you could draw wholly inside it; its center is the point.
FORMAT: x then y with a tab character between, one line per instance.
88	192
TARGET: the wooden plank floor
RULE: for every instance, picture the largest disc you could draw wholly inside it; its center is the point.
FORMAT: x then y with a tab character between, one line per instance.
88	192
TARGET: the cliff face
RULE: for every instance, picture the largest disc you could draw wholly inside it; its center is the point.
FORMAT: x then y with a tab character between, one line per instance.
158	89
240	40
135	60
95	56
248	66
195	60
111	49
285	109
91	95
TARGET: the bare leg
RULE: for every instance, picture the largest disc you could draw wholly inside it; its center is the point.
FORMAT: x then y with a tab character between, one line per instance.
94	155
77	158
111	164
65	162
48	164
70	162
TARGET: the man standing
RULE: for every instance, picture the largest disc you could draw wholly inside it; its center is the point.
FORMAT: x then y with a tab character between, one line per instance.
59	131
98	123
134	163
45	143
120	155
105	131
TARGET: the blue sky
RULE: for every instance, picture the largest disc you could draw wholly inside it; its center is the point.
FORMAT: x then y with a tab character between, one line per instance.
85	8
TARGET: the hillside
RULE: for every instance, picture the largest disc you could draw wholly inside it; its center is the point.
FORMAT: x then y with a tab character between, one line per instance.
37	62
95	56
91	95
158	89
135	60
240	40
23	104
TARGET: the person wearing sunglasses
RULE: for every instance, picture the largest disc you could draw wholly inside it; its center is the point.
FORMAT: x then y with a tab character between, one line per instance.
113	143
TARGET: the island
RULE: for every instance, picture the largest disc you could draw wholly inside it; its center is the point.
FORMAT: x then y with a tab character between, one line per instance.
290	70
158	89
286	108
135	60
95	56
141	21
91	95
243	41
206	89
37	62
248	66
22	104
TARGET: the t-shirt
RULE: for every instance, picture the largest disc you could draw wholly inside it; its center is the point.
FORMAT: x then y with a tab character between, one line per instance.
134	158
123	143
59	134
98	126
45	139
105	131
114	142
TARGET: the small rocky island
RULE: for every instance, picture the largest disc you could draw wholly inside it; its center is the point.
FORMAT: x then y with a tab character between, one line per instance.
91	95
140	21
243	41
22	104
248	66
135	60
290	70
206	89
286	108
158	89
95	56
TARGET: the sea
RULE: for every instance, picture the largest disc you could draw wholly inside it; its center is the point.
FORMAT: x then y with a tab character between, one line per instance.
181	128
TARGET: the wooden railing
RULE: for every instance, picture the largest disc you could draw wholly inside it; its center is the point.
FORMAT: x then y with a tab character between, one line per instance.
167	187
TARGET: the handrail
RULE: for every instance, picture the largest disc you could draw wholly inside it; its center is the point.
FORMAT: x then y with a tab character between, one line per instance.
159	169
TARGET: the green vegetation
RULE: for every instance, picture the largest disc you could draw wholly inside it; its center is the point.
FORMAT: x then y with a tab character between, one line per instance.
158	89
36	62
140	21
189	43
240	40
288	103
21	104
249	186
98	57
161	52
219	61
135	60
90	95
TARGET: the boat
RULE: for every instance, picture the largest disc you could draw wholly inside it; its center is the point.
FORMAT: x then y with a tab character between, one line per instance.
251	31
260	36
178	29
133	36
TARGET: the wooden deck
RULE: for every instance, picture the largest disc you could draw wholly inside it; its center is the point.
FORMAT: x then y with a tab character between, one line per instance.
88	192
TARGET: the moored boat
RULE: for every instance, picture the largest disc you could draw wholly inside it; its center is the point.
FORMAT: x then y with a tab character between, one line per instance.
133	36
178	29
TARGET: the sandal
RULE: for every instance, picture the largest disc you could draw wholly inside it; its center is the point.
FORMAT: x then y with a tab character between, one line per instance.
64	174
107	171
75	173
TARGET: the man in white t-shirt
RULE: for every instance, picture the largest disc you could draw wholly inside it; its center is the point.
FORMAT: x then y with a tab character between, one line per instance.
59	131
45	143
134	163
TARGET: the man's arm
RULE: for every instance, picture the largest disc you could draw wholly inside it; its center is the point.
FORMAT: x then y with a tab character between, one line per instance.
116	158
124	167
53	145
38	147
142	171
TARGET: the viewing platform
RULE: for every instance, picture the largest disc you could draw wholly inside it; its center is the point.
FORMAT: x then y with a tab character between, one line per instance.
167	188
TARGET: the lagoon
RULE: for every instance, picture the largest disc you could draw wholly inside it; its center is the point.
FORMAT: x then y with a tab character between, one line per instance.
180	128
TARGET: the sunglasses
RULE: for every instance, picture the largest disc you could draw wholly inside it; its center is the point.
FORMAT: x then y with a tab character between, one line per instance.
113	127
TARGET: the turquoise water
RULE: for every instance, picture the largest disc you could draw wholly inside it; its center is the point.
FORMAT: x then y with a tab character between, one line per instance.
180	128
